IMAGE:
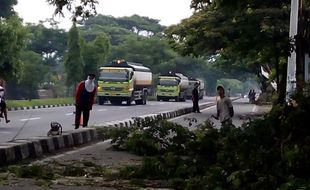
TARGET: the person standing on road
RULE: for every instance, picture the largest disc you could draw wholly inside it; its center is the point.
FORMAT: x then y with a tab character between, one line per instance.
225	110
195	98
84	99
3	109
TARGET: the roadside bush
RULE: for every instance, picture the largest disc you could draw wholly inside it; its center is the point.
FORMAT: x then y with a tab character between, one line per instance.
32	171
268	153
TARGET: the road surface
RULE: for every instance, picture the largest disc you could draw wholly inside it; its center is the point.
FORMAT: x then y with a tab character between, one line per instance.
36	122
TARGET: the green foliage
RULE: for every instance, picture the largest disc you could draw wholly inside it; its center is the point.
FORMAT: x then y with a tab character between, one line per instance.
50	43
74	171
83	9
139	24
74	61
32	73
268	153
12	40
32	171
239	36
95	53
6	8
38	102
234	84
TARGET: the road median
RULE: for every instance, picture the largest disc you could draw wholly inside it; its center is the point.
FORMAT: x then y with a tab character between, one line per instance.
36	147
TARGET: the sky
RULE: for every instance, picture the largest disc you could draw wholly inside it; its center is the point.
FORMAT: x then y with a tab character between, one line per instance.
167	11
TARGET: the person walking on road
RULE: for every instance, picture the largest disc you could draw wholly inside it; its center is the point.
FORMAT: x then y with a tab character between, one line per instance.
3	108
195	98
84	100
225	110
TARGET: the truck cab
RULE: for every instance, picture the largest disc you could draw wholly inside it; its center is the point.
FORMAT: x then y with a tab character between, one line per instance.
172	86
123	81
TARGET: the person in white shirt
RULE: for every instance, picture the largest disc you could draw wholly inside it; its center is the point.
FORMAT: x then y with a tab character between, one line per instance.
3	109
225	110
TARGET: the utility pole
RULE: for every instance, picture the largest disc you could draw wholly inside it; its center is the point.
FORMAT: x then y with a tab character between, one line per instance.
291	64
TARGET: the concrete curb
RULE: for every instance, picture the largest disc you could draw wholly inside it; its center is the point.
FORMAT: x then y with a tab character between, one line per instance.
36	147
141	119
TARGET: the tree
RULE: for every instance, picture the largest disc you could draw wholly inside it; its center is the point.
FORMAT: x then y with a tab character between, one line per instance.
84	9
95	53
251	32
6	8
140	25
51	43
33	72
120	28
12	41
74	62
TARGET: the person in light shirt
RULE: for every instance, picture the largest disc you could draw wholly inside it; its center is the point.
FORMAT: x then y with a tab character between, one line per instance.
224	107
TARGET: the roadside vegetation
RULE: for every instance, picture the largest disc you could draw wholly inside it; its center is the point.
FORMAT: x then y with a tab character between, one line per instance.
267	153
271	152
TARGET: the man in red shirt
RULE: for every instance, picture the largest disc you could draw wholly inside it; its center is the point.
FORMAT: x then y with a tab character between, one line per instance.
84	99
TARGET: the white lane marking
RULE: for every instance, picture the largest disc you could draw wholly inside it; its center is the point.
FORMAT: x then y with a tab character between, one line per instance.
161	103
69	113
4	132
172	119
102	110
123	107
32	118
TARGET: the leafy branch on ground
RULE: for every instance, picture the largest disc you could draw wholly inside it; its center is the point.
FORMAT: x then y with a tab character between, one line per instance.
267	153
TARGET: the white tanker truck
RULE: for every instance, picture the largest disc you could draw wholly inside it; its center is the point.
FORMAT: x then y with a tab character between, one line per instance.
124	81
172	86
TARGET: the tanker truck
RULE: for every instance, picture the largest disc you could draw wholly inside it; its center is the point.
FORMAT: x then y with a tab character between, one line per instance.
172	86
191	84
124	81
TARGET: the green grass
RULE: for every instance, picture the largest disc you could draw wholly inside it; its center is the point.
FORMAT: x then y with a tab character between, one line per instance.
38	102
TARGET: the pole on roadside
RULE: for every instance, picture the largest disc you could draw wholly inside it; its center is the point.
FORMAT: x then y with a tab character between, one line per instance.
291	63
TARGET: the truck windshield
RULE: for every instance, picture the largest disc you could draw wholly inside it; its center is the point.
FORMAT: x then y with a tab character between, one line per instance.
168	82
119	76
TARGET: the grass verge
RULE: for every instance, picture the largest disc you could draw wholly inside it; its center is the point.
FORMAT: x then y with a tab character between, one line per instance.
38	102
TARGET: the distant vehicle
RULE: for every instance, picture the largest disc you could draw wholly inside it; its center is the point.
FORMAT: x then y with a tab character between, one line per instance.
124	81
191	84
172	86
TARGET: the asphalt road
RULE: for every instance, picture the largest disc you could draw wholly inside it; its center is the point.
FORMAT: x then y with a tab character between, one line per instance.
242	108
36	122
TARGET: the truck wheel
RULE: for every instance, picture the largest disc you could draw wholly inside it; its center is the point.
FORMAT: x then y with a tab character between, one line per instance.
100	100
128	101
158	98
177	99
184	98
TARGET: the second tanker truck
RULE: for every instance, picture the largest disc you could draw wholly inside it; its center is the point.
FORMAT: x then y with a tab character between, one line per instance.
172	86
124	81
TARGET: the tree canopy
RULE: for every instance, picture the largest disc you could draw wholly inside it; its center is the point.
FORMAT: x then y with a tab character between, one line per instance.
241	34
12	41
84	8
6	8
